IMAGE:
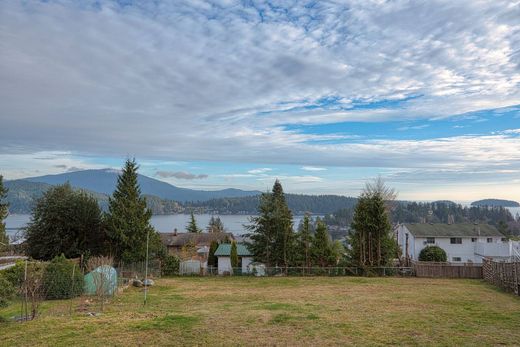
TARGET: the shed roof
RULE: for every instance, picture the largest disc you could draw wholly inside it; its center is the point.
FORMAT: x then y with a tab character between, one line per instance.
452	230
224	250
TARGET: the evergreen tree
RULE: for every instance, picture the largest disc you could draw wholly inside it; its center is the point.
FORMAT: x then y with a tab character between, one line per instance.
4	211
321	249
212	259
65	221
304	242
215	225
234	255
192	225
128	219
370	239
262	231
272	235
284	246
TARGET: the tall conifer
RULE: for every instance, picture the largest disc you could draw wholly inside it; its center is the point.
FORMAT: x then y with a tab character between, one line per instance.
128	218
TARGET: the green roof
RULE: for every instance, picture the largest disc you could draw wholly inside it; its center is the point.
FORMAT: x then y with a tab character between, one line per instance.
452	230
224	250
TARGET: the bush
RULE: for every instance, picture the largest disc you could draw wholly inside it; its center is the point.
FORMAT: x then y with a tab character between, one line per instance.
14	275
433	253
58	281
170	265
7	291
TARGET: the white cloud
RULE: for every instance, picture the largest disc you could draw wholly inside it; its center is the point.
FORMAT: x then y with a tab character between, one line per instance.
260	170
215	81
313	168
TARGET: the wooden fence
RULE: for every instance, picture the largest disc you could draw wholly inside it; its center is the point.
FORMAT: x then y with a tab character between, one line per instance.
505	275
447	270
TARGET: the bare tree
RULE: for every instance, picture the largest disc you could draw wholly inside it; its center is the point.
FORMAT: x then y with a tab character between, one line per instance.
100	268
378	186
32	288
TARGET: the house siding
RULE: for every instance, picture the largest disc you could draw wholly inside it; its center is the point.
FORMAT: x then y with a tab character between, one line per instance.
468	251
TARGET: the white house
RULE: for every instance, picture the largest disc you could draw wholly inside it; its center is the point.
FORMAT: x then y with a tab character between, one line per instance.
223	254
463	243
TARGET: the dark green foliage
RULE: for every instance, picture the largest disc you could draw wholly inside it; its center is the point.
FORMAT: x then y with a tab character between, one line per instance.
321	249
304	243
7	291
300	204
233	255
503	228
215	225
370	239
128	219
4	241
431	212
212	259
58	280
272	235
65	221
170	265
433	253
192	225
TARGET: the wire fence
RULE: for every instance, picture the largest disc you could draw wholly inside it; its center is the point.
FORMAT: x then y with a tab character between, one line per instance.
74	287
314	271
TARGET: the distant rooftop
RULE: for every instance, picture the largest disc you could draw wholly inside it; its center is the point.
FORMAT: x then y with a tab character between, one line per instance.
197	239
452	230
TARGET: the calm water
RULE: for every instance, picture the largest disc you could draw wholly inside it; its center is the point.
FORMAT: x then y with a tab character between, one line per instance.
233	223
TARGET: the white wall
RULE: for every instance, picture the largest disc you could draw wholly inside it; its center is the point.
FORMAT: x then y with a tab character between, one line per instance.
245	262
224	264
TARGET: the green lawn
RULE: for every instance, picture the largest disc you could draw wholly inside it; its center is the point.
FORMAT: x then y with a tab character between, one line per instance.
284	311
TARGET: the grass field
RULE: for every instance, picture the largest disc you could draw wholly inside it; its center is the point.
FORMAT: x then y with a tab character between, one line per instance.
284	311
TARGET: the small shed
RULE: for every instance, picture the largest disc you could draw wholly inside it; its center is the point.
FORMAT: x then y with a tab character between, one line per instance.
223	254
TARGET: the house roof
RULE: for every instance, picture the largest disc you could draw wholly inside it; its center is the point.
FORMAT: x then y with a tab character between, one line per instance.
452	230
197	239
224	250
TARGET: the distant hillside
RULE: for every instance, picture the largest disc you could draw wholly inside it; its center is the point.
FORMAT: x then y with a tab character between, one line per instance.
496	203
298	203
104	181
22	197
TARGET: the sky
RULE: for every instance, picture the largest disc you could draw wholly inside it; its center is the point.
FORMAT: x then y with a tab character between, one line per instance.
323	95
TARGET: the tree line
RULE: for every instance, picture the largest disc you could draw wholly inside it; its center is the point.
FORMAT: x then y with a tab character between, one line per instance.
274	242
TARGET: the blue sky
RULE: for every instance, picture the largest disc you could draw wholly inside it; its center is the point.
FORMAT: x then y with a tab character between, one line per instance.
323	95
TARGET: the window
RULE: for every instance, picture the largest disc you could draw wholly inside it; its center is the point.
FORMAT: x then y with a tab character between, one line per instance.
456	240
504	239
489	240
473	239
430	240
456	259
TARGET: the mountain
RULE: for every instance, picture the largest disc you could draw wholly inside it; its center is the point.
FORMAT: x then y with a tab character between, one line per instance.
104	181
22	195
495	203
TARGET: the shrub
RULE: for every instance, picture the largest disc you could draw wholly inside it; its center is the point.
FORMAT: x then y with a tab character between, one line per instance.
7	291
58	280
433	253
14	275
170	265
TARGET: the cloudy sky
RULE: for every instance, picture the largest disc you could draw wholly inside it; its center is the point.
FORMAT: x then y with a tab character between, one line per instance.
226	93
